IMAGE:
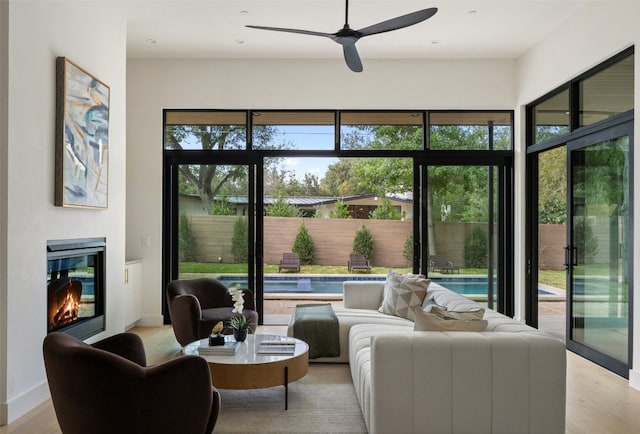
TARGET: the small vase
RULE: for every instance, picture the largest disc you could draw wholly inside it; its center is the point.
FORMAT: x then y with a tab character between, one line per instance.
240	335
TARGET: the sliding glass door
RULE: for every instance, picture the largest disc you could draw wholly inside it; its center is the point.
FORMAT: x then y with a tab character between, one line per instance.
598	253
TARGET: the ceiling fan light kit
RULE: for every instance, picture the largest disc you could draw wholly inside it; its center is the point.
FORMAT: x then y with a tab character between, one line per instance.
347	37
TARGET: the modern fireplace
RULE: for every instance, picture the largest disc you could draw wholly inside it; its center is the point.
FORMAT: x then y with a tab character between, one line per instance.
76	286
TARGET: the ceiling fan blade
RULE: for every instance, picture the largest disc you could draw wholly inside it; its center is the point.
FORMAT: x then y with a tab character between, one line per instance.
352	57
398	22
302	32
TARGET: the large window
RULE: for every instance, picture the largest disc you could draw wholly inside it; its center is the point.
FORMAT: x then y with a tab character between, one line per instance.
242	188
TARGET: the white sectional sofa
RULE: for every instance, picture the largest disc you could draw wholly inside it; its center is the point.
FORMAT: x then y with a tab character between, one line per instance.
509	378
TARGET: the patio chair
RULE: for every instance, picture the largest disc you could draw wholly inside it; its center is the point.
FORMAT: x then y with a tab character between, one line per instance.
441	264
357	261
289	261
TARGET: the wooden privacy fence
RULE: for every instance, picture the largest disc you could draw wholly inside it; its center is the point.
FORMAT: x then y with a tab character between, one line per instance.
333	239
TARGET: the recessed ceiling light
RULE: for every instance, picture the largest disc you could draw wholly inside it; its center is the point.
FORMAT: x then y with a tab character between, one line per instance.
472	12
244	12
239	41
150	41
435	41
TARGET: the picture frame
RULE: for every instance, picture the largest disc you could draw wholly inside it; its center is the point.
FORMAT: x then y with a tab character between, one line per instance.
82	138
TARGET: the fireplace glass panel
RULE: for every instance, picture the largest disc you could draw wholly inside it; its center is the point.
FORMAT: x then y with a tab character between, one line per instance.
75	290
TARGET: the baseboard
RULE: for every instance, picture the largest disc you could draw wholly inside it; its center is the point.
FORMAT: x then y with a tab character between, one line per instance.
634	379
24	403
151	321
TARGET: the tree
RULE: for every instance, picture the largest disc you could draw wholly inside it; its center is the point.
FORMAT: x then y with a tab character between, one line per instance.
340	211
239	241
207	180
363	243
385	211
552	186
303	245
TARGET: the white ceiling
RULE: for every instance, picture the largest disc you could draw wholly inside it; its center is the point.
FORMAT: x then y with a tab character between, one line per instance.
498	29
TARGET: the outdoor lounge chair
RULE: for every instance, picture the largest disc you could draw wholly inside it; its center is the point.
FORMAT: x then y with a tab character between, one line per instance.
439	263
357	261
289	261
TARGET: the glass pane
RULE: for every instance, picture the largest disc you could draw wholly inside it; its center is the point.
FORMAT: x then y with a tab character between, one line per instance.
381	130
470	130
600	222
293	130
552	231
461	222
213	225
205	130
324	209
551	117
607	93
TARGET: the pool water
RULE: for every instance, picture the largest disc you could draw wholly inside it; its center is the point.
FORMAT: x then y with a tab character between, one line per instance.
333	285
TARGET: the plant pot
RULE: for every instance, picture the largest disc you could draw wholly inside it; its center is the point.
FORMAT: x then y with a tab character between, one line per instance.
240	335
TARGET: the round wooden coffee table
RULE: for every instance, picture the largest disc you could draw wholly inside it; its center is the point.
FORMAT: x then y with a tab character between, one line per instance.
248	369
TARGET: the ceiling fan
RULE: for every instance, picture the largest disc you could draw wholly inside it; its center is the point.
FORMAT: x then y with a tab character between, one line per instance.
347	37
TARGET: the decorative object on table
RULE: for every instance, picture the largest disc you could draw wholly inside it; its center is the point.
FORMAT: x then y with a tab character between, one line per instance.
216	338
227	348
238	323
82	137
277	345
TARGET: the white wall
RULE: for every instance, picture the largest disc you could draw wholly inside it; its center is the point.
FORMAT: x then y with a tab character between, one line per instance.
94	37
596	33
4	84
154	85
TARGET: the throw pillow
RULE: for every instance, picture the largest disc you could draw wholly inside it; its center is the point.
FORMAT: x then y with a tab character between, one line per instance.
443	312
452	322
403	294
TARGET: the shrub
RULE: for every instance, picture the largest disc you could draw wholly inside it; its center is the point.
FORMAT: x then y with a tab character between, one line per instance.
385	211
282	208
303	245
475	249
239	241
186	240
222	207
408	249
363	243
340	211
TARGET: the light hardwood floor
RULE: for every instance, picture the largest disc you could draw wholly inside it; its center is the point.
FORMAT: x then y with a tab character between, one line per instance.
597	400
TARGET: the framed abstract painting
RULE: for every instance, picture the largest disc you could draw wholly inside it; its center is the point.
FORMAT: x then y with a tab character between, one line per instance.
82	137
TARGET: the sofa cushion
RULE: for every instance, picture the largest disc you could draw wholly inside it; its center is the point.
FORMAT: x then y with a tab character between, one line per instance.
403	294
443	320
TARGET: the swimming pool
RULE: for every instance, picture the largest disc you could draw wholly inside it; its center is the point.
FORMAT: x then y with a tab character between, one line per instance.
333	284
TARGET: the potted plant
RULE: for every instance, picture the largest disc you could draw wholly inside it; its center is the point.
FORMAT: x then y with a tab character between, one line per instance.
238	323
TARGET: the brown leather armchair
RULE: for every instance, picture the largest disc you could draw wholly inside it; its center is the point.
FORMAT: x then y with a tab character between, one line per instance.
107	388
196	305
